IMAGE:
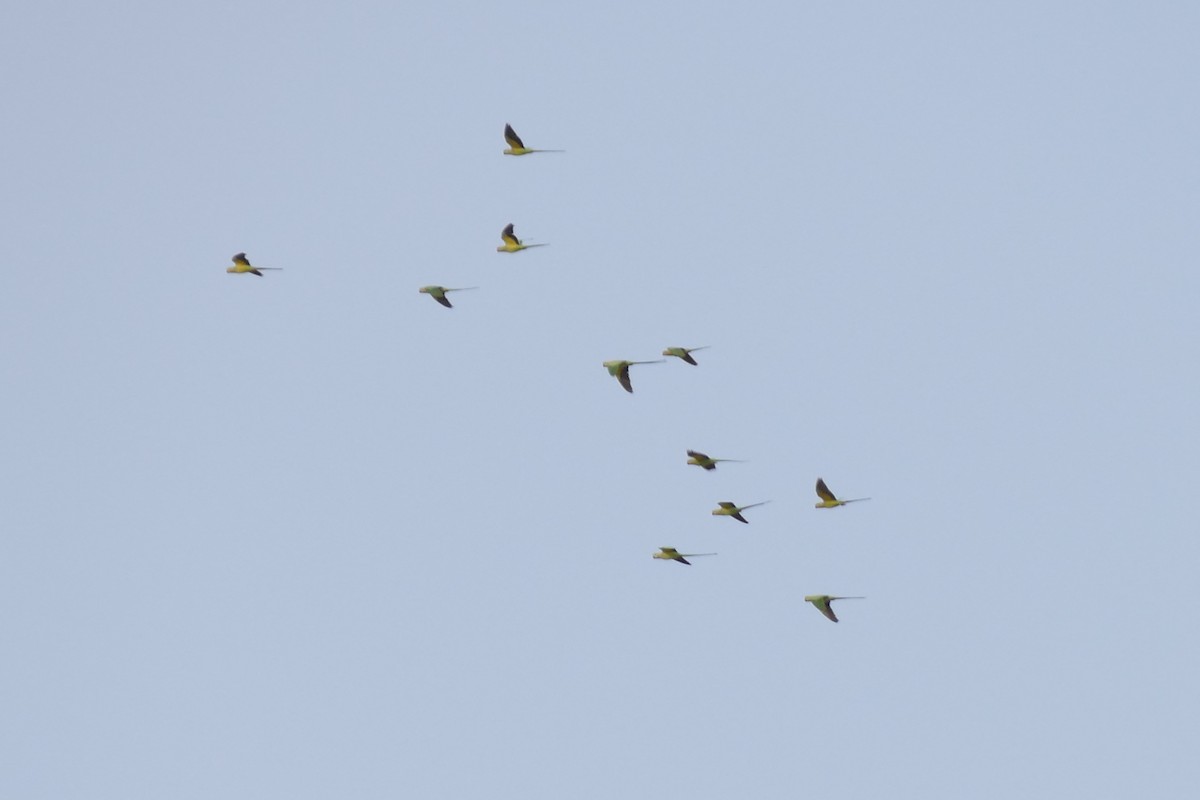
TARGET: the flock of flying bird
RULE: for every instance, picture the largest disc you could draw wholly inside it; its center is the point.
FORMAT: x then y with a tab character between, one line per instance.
619	369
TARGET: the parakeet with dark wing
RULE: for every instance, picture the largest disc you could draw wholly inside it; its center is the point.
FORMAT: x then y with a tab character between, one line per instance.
516	147
620	371
242	264
828	500
822	601
511	243
671	554
728	509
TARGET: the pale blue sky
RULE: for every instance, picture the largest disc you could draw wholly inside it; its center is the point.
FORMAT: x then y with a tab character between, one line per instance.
314	536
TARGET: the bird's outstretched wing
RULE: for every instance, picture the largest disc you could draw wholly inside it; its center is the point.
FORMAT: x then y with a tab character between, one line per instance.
826	608
510	136
623	378
824	493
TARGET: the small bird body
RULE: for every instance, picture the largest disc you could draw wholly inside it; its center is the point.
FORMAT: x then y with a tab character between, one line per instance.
828	500
620	371
516	147
511	243
671	554
822	601
728	509
698	459
439	293
684	353
242	264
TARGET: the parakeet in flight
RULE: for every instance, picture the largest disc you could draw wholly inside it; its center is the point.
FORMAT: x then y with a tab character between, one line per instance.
727	509
516	147
822	601
698	459
242	264
439	293
620	371
827	498
511	243
684	353
671	554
